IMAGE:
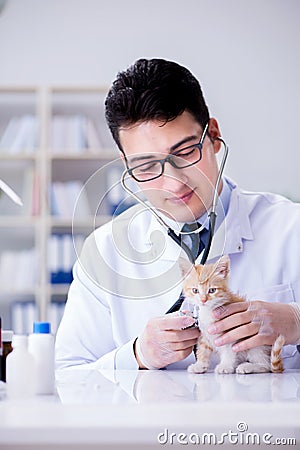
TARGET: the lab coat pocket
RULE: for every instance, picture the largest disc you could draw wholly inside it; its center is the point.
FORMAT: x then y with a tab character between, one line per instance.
280	293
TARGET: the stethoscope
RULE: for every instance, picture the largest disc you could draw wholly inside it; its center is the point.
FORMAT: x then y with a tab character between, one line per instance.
211	216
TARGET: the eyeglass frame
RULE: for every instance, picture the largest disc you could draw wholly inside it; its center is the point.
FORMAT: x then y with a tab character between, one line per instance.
168	159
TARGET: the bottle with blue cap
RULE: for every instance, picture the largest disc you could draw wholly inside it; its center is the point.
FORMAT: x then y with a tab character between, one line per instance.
41	346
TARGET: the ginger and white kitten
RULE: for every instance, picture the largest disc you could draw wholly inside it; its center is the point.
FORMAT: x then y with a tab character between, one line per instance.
207	288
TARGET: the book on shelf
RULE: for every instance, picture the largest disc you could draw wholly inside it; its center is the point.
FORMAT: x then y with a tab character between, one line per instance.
118	200
93	139
68	198
36	195
24	313
63	250
20	135
74	134
22	316
55	311
19	269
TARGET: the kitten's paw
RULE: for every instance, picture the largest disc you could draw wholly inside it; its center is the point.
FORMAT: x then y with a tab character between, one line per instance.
197	368
248	367
245	368
222	368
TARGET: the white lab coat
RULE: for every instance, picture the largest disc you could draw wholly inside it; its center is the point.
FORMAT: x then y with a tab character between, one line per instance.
128	272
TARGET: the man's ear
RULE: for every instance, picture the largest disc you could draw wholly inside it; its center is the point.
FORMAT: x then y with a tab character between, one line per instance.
122	157
214	132
222	266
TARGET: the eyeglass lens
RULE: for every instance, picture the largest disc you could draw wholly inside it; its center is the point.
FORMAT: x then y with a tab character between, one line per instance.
180	159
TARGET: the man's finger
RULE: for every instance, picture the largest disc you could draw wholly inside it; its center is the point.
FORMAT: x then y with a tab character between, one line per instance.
176	322
242	332
226	310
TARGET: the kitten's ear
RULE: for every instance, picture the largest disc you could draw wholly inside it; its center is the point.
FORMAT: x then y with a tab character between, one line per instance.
223	267
185	266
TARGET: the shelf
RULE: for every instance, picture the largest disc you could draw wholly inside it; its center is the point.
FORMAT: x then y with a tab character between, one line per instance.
69	144
19	294
6	156
63	223
57	289
18	221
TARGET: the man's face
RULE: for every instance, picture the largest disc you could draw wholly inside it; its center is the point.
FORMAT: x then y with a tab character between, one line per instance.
182	194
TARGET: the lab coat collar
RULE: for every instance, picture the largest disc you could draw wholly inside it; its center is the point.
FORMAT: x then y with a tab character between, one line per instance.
171	249
235	228
239	211
228	239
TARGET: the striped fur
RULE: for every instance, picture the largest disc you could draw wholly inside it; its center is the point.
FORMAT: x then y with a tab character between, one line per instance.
276	359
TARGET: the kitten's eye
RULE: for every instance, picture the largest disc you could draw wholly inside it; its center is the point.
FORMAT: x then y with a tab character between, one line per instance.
212	290
195	290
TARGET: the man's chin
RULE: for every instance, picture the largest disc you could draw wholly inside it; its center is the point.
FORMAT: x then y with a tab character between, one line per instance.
180	214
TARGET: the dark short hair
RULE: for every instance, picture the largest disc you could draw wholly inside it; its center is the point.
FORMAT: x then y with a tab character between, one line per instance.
153	89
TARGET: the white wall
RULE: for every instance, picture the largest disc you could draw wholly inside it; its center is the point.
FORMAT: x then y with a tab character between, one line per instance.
245	53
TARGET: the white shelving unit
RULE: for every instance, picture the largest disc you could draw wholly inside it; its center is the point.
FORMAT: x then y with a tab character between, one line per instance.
58	155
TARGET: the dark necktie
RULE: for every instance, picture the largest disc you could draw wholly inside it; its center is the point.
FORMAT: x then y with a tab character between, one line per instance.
195	241
198	241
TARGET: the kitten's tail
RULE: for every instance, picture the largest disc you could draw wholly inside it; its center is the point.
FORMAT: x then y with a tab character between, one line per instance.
276	359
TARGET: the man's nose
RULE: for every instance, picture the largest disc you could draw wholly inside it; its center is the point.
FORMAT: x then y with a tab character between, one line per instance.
173	176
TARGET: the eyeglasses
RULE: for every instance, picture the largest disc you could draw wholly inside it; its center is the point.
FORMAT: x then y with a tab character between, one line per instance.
185	157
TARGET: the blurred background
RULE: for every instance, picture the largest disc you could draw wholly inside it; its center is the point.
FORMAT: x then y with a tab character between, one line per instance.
57	60
246	55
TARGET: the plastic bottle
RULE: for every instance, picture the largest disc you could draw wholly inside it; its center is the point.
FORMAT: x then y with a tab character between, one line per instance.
41	347
7	336
20	369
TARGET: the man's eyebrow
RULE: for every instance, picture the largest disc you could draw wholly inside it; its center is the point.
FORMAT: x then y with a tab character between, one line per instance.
183	141
141	158
174	147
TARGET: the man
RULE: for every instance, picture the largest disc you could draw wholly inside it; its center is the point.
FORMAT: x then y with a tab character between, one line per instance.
127	276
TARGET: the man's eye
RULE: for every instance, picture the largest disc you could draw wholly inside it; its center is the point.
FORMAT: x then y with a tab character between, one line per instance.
186	153
147	167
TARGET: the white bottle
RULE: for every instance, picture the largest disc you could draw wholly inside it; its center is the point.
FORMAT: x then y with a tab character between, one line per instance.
41	346
20	369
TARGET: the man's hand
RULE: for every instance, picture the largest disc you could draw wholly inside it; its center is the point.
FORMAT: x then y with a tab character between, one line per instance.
256	323
165	340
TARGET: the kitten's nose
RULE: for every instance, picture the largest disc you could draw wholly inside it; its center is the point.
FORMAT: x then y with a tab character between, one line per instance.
204	299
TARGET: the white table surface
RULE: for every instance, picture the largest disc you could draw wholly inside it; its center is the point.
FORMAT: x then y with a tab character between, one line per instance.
132	409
